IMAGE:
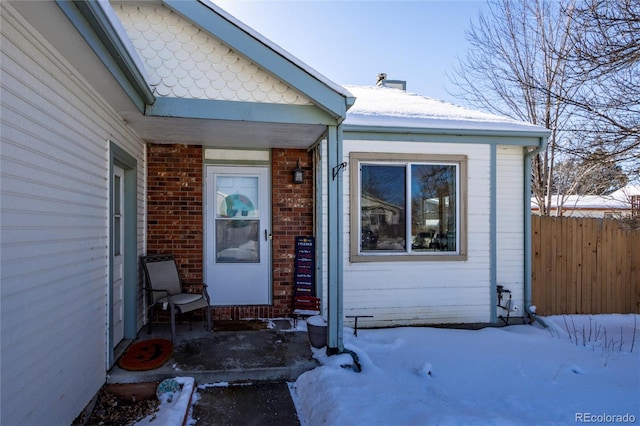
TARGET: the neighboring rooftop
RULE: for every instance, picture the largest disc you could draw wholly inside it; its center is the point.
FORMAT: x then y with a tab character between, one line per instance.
618	200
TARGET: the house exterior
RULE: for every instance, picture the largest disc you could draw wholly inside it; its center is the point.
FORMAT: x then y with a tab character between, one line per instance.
624	202
435	213
154	127
106	157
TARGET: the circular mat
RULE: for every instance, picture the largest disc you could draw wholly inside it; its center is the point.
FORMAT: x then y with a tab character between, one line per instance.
146	355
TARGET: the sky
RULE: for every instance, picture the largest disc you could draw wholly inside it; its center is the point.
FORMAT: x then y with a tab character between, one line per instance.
351	42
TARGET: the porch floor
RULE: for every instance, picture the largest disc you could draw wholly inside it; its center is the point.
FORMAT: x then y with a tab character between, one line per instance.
261	361
278	354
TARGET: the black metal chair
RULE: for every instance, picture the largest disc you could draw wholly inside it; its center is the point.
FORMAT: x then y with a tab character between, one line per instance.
164	285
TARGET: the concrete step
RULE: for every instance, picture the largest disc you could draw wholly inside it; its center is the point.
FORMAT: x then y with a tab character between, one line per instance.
271	355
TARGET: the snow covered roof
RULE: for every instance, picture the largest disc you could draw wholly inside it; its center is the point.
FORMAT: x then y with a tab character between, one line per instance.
394	108
619	199
626	192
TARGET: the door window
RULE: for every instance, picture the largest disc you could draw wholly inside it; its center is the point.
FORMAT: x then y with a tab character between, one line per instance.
237	220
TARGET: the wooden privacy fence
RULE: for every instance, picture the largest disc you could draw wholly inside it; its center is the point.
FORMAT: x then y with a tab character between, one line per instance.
584	266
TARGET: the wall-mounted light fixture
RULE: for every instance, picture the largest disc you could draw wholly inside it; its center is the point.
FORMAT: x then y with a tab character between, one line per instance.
297	174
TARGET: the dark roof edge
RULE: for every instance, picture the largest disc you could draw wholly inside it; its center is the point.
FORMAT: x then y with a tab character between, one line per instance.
106	39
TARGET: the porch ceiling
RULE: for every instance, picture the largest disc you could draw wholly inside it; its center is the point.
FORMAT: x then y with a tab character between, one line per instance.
224	133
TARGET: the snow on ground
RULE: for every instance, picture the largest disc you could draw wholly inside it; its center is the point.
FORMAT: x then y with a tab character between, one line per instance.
581	369
173	405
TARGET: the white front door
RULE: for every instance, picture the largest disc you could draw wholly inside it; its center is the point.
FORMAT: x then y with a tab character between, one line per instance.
238	236
117	287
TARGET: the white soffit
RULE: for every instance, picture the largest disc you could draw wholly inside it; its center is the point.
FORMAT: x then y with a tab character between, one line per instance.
236	155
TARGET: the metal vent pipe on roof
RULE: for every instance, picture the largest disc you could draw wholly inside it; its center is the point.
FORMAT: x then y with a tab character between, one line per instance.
395	84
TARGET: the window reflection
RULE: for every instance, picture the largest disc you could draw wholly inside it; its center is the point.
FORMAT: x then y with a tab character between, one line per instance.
433	207
432	220
236	225
383	209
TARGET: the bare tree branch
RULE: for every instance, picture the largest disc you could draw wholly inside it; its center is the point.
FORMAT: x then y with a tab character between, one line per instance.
570	66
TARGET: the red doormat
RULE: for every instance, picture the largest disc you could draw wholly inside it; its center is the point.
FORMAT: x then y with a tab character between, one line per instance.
146	355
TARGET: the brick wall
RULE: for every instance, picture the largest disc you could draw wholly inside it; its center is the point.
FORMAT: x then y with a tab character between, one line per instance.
174	206
175	218
292	206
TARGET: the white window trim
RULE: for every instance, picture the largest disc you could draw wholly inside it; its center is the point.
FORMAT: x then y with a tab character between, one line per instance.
358	158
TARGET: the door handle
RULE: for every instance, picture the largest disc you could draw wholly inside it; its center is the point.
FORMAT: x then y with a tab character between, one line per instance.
267	235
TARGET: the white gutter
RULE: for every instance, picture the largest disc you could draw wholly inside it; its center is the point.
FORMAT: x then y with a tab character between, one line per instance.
528	298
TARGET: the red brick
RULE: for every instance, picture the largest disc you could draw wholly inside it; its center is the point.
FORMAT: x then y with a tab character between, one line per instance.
175	208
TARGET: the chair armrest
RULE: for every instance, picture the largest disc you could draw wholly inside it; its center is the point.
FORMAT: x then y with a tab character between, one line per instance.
190	288
149	289
193	284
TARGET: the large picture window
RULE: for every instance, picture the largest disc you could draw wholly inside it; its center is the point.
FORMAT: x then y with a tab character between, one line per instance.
407	207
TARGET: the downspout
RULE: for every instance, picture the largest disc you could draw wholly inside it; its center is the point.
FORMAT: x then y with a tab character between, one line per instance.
340	236
528	297
317	212
493	233
335	343
335	328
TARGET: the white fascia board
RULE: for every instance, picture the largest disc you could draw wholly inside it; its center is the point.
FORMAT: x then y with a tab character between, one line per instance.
534	138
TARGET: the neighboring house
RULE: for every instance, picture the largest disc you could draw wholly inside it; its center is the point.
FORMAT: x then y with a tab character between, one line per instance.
621	203
169	126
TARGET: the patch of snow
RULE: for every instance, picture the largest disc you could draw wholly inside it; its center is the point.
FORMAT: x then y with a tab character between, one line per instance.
390	107
316	320
174	410
521	374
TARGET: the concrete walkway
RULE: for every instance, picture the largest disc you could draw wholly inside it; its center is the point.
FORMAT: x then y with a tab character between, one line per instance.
256	405
263	361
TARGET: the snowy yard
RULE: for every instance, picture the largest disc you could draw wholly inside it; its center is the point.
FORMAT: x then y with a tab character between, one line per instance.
580	369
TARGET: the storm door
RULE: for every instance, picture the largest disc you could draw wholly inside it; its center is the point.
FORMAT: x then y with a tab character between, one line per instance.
238	238
117	244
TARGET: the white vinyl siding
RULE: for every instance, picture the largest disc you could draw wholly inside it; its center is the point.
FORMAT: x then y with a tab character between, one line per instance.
510	223
54	218
412	293
404	293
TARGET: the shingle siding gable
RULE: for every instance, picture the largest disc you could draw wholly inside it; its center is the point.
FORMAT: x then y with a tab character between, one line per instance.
183	61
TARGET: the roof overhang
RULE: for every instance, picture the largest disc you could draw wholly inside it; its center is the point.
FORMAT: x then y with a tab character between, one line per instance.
198	121
535	138
226	133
